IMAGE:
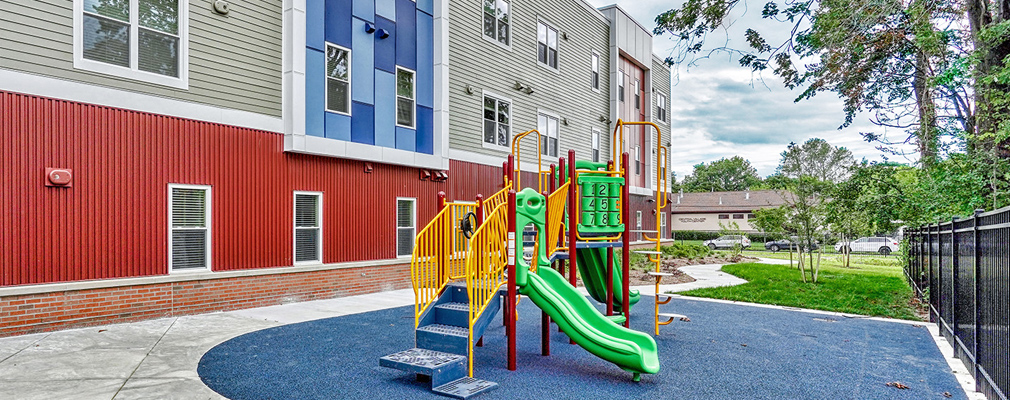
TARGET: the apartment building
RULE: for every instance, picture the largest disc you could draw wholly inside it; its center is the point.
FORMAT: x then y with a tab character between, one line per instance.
168	157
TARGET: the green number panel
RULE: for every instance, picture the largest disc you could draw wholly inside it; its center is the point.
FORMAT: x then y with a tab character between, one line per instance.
601	213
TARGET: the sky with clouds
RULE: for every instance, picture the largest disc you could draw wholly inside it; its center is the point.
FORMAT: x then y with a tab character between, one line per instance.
719	109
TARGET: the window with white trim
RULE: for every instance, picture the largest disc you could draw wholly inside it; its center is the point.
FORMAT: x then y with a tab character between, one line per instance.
338	79
638	94
662	225
661	107
137	39
638	160
638	220
189	225
547	125
496	21
405	95
596	145
308	227
497	121
406	223
547	45
595	63
620	86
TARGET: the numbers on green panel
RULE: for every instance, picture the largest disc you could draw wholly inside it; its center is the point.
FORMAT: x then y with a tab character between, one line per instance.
604	220
589	219
602	191
592	203
604	203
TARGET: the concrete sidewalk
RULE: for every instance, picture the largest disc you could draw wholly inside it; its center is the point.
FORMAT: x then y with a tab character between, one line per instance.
158	359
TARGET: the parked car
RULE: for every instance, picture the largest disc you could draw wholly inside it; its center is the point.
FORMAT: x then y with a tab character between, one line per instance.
786	244
727	242
878	244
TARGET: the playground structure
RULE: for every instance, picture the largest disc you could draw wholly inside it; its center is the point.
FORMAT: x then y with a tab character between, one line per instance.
467	263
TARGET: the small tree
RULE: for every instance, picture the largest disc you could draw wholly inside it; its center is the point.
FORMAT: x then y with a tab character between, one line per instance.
732	228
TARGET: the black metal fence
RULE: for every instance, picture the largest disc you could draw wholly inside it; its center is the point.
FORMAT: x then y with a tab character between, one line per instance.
962	268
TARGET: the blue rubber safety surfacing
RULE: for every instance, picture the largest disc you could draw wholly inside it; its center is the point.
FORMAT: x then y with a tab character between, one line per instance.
726	352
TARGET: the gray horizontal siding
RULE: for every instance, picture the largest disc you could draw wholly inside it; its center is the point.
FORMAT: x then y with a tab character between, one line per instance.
484	65
661	84
234	60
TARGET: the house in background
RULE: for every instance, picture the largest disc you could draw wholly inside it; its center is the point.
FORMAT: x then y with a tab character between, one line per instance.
709	211
173	157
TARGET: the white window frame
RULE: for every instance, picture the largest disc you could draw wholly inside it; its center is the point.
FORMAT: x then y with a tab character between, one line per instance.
661	106
209	228
326	86
498	98
662	224
596	144
620	85
133	72
557	50
413	99
638	94
557	118
638	161
294	227
638	219
494	40
594	76
396	224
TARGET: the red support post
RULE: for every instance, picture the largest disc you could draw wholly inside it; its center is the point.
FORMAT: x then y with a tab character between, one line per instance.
626	249
510	309
610	281
572	238
512	169
504	172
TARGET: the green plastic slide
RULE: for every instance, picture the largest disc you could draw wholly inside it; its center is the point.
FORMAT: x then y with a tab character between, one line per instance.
592	265
631	350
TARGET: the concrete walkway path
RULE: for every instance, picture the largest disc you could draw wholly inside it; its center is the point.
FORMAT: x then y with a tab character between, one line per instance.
158	359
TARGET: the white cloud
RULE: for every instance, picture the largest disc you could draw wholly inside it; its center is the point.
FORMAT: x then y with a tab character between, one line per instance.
719	109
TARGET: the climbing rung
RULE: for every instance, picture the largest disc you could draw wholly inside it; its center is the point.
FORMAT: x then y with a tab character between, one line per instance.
659	274
663	298
642	231
672	316
649	252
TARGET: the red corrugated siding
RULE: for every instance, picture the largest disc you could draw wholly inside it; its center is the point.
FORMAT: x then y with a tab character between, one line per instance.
113	221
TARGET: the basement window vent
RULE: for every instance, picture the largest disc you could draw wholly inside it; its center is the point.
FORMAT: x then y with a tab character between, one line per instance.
406	223
189	221
308	227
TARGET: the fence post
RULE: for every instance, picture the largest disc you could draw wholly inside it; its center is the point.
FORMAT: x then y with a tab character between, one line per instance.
977	264
954	265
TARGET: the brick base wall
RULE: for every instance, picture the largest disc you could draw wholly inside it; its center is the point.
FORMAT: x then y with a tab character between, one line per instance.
80	308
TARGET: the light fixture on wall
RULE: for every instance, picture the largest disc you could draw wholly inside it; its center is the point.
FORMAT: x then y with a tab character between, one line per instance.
369	28
564	35
518	86
529	89
564	121
468	89
382	33
221	7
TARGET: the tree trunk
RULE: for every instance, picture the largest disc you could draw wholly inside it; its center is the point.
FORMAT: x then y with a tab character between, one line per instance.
799	263
927	110
991	56
817	271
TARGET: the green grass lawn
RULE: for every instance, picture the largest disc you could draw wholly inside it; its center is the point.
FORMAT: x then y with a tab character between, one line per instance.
866	289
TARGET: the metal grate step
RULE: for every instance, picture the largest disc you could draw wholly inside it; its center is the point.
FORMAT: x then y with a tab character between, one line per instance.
446	330
454	306
465	387
421	358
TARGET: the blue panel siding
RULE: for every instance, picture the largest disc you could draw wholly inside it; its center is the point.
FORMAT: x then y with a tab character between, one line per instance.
385	49
425	129
385	109
406	138
365	9
338	22
362	64
406	37
426	6
338	126
362	125
386	9
315	92
425	61
315	21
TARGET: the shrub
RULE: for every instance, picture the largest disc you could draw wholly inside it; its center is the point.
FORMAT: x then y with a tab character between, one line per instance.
694	235
686	250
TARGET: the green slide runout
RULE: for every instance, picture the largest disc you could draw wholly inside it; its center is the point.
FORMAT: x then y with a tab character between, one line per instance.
631	350
592	265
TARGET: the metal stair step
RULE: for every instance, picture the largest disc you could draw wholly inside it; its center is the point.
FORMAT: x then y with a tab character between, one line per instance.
442	367
446	330
465	387
454	306
672	316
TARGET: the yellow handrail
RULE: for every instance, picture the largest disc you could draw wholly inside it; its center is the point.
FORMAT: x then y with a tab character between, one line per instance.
439	255
497	199
555	217
542	174
485	267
